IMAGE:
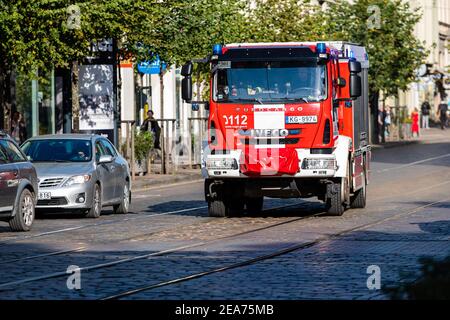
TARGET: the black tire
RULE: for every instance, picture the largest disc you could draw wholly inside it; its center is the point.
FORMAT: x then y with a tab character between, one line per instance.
335	206
235	207
358	200
124	205
96	209
254	205
24	212
217	209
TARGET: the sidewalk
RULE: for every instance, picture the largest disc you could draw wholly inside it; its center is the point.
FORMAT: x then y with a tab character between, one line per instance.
426	136
152	180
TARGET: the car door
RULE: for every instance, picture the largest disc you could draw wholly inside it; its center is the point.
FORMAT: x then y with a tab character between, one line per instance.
9	178
119	175
106	174
25	167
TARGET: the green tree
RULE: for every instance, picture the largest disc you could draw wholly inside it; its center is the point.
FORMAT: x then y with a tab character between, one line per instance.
43	34
285	20
386	29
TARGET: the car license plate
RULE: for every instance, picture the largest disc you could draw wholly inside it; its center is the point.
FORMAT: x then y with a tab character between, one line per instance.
301	119
44	195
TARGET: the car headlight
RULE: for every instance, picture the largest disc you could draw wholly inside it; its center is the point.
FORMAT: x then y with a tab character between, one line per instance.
77	180
221	164
319	164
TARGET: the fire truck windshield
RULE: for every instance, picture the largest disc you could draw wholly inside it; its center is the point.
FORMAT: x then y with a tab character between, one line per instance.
276	81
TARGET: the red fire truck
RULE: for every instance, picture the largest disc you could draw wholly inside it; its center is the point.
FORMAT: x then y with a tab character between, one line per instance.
286	120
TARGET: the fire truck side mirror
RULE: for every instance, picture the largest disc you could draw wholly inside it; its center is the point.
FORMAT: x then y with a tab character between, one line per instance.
355	80
186	70
355	86
354	66
186	89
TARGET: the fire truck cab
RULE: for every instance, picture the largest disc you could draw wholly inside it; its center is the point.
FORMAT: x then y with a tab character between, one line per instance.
286	120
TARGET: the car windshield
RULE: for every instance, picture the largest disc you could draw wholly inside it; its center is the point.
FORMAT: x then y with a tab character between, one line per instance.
270	81
58	150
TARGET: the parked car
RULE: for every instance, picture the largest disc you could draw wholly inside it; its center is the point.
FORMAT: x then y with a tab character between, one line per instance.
18	186
79	172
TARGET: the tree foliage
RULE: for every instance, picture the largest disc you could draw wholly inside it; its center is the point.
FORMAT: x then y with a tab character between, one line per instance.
285	20
35	35
386	29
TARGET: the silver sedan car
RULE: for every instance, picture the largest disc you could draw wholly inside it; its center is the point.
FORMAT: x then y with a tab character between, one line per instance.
79	172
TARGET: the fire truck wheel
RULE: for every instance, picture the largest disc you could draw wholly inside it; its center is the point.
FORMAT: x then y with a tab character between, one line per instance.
217	209
236	207
359	199
335	206
254	205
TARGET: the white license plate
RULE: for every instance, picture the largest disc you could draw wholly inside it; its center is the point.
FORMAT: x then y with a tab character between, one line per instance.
44	195
301	119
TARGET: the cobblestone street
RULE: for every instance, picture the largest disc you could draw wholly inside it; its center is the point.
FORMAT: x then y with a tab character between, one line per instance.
168	236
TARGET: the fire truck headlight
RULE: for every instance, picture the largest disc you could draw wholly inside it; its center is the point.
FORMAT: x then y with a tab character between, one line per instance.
319	164
221	164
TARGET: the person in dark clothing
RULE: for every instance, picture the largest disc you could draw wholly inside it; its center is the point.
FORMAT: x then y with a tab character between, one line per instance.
425	110
150	124
442	113
18	128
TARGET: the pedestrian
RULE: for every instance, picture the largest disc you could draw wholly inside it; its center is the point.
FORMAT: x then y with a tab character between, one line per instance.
415	122
18	128
442	114
387	121
150	124
426	114
381	125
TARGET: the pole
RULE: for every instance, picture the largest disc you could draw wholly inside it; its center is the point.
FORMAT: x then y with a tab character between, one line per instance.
190	143
133	170
163	151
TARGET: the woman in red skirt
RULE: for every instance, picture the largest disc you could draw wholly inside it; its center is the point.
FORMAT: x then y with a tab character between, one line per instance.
415	122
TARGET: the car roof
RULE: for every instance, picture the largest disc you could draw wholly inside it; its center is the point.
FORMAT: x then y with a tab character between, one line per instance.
76	136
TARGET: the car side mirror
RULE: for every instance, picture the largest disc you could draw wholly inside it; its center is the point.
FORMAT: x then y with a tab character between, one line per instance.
105	159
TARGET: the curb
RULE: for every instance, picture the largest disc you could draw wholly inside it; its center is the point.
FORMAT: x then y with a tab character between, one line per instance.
176	179
395	144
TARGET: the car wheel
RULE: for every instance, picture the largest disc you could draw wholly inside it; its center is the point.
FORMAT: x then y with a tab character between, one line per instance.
24	212
96	208
124	205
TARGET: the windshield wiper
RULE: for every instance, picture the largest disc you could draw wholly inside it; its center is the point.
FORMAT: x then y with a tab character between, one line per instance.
252	100
293	99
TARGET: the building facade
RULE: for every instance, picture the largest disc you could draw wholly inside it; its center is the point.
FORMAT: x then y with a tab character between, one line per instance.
433	79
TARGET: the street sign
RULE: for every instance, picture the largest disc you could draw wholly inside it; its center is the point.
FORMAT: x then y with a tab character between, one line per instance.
152	67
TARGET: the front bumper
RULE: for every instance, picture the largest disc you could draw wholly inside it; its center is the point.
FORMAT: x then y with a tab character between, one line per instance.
66	197
303	154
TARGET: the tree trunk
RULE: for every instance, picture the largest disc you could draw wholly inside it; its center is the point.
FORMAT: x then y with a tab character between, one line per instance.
5	98
373	103
75	97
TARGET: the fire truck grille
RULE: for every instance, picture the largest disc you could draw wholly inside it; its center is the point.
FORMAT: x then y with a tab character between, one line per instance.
248	141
